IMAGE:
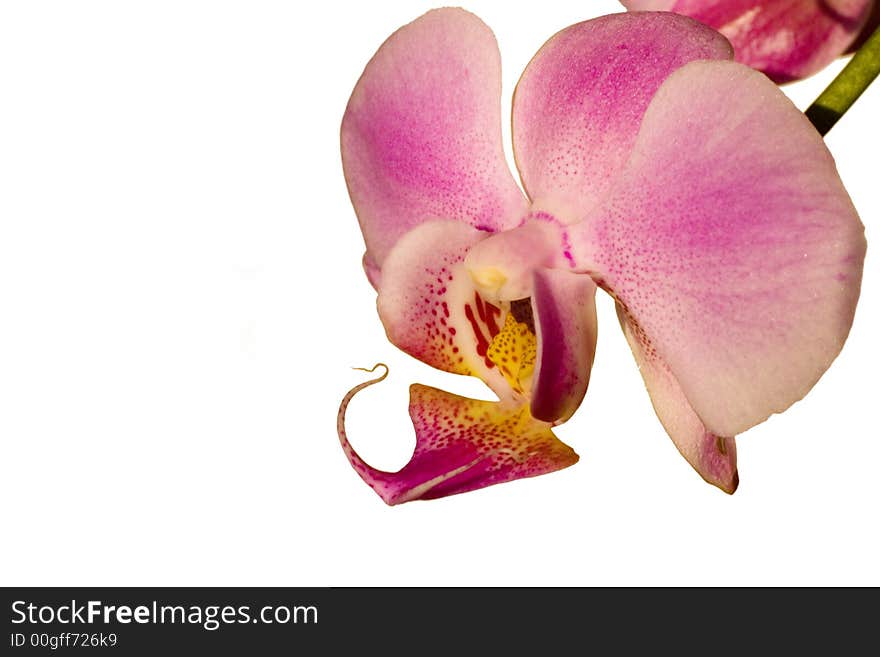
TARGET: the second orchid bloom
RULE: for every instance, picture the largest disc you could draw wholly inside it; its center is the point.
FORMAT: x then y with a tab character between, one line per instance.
683	184
786	39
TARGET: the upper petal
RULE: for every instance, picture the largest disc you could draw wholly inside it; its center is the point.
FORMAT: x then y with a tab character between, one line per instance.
786	39
421	136
579	103
732	243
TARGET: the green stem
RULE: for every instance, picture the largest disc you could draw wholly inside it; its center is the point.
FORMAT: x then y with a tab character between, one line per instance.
846	87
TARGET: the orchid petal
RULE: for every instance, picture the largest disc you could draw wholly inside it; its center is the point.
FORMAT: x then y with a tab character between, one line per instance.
564	311
429	306
713	457
732	244
373	271
786	39
579	103
421	136
870	26
649	5
461	445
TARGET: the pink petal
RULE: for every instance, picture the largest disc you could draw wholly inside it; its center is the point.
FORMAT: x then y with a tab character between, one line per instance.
373	271
713	457
732	243
564	308
871	24
787	39
579	103
421	136
429	306
461	445
650	5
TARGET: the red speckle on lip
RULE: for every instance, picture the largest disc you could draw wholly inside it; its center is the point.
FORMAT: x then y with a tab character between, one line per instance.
487	314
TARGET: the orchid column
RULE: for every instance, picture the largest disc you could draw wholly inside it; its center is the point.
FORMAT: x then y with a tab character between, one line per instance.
683	184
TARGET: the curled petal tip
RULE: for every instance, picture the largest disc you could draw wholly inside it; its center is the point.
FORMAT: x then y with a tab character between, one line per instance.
733	484
717	463
370	370
713	457
367	473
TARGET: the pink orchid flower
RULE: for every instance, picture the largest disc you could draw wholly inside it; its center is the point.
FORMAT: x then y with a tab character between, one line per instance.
685	185
786	39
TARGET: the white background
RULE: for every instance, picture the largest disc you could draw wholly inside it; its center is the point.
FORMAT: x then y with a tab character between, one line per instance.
181	301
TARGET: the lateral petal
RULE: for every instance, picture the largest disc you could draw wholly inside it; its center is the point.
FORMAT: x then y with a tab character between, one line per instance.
461	445
579	103
713	457
733	244
421	136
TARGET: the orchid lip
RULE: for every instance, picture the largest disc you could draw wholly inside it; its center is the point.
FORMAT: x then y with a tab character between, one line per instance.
461	445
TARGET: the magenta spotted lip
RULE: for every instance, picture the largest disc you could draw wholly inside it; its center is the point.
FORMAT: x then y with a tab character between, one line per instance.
685	185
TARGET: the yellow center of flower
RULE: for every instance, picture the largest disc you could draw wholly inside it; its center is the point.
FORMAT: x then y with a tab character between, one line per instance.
514	351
